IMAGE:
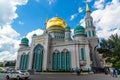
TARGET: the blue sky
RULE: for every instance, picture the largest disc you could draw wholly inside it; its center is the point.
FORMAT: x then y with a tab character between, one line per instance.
19	18
33	15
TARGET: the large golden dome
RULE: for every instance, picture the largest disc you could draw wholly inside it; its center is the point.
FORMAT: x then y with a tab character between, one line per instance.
55	22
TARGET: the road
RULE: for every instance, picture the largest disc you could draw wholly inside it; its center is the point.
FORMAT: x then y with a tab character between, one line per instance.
68	76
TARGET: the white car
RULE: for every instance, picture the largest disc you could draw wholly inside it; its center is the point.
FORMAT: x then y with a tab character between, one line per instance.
19	75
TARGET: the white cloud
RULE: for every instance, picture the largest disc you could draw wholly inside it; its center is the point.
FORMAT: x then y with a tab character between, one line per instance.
51	1
7	56
82	22
30	34
107	33
99	4
87	0
9	42
80	9
73	16
107	18
9	38
20	22
37	0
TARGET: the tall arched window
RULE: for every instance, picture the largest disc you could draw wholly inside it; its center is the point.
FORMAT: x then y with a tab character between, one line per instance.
21	62
54	61
82	54
62	61
24	62
89	33
58	60
38	58
67	61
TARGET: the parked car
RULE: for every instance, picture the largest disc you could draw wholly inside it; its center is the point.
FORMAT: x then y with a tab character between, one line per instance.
19	75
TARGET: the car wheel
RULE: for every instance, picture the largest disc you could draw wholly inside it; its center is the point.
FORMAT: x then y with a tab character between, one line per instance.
7	77
18	78
26	78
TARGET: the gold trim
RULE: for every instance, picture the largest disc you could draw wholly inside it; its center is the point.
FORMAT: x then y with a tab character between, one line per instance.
39	40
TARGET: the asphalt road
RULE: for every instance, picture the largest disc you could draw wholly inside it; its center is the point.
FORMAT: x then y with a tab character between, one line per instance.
67	76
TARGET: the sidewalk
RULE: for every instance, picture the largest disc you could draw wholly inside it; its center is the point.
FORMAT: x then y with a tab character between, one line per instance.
61	73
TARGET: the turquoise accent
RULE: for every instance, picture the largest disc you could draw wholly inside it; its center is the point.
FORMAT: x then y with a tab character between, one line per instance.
24	41
34	34
58	61
89	34
38	53
93	33
82	54
62	61
79	30
89	23
27	61
67	27
21	62
24	62
38	60
54	64
67	61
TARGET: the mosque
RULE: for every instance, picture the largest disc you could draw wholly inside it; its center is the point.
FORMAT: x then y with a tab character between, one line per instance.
55	50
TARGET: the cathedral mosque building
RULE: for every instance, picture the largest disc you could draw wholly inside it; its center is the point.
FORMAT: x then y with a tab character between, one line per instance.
55	50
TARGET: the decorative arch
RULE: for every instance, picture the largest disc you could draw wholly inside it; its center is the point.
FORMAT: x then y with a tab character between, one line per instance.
56	60
65	59
38	57
24	61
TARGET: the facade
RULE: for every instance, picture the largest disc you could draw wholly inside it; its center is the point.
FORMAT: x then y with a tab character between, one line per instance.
55	50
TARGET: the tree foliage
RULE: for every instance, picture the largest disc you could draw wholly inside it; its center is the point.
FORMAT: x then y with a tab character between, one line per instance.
110	48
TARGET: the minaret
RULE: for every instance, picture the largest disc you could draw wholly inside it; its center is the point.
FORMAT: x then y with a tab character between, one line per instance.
90	29
67	34
45	25
92	38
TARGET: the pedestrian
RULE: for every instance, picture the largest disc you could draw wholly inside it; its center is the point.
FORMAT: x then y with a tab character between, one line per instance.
115	72
78	71
111	71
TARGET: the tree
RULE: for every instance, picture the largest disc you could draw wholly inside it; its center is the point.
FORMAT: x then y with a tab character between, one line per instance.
110	48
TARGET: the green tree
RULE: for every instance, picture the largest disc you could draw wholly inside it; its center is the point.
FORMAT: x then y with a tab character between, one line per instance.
110	48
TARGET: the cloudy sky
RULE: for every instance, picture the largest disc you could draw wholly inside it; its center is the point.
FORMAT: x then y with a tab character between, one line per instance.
20	18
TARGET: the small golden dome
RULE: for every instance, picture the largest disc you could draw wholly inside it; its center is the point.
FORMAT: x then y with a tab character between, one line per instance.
55	22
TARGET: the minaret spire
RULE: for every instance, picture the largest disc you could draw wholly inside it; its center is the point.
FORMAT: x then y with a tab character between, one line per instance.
87	7
46	22
56	15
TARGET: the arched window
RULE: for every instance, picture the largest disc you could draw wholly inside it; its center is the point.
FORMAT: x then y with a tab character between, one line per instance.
58	60
38	57
24	62
21	62
67	61
89	33
62	61
82	54
54	61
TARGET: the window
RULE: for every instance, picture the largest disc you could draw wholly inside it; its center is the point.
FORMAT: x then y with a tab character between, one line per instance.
24	62
82	54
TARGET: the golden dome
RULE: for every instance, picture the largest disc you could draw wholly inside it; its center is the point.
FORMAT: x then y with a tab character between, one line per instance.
55	22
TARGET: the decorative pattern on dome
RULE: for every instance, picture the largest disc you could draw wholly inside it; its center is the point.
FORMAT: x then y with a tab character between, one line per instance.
24	41
55	22
34	34
79	30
